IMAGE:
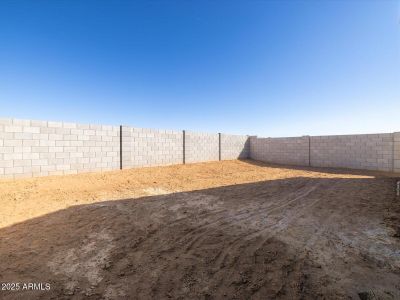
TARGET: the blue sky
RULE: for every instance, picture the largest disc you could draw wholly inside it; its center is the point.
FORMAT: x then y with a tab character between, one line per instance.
282	68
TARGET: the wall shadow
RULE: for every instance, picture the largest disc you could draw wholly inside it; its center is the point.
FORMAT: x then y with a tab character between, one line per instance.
265	240
323	169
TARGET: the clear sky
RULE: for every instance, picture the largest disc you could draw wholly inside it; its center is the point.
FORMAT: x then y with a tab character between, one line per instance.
272	68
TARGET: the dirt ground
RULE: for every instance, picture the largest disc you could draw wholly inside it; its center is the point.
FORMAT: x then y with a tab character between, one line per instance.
220	230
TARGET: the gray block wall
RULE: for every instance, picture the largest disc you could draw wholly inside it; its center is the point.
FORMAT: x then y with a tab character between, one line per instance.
201	147
150	147
30	148
234	146
363	151
290	150
40	148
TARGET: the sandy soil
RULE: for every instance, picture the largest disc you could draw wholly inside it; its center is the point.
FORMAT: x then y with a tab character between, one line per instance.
222	230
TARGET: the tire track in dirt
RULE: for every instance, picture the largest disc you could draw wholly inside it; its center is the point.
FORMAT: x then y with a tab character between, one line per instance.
243	215
247	238
265	212
207	230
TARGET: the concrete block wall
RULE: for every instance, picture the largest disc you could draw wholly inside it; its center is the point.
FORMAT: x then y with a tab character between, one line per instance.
31	148
201	147
234	146
290	150
396	152
40	148
150	147
363	151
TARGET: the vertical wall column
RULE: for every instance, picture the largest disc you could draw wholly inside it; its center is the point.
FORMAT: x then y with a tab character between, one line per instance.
184	146
219	146
120	147
125	143
396	152
309	150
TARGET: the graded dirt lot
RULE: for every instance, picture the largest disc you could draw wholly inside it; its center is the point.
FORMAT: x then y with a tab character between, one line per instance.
221	230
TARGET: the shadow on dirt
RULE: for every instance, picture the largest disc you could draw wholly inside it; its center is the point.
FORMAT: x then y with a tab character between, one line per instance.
298	238
323	170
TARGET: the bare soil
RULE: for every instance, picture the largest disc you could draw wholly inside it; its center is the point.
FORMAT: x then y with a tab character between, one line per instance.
221	230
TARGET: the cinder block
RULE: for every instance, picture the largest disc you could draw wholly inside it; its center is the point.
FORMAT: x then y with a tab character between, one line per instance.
71	137
83	138
51	124
19	122
69	149
62	167
77	131
40	136
62	155
76	143
47	168
22	163
82	126
39	162
12	156
48	143
31	129
89	132
23	136
41	174
40	149
12	128
6	163
63	131
76	154
56	149
13	170
69	125
62	143
47	130
36	123
6	135
22	149
32	170
5	121
46	155
95	126
22	175
30	155
56	173
57	137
